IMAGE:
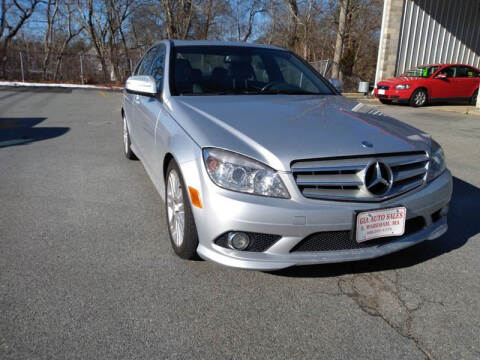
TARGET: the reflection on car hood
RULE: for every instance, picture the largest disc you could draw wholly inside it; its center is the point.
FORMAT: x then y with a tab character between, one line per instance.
278	129
399	79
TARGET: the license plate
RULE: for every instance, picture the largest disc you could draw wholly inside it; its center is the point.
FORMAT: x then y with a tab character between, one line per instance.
380	223
381	92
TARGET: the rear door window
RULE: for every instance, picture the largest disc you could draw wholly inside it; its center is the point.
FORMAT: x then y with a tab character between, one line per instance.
462	71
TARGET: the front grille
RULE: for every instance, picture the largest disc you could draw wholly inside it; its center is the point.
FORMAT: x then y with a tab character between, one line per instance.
345	240
258	242
383	87
344	178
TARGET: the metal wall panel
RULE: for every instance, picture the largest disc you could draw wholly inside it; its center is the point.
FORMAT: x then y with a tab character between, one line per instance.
439	31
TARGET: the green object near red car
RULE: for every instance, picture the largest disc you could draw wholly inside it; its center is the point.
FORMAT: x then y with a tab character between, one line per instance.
431	83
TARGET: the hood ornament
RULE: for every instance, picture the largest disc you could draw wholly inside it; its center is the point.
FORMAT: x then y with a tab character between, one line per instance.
378	178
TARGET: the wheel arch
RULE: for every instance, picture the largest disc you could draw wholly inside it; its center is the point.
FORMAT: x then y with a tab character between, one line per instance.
166	160
422	87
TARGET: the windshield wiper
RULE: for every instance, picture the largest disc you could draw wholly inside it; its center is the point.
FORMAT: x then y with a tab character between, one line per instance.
290	92
223	92
254	92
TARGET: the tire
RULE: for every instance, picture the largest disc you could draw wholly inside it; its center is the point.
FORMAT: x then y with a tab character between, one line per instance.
176	198
126	142
386	102
419	98
473	100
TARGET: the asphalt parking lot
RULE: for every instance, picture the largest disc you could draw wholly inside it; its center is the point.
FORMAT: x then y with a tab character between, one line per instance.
87	272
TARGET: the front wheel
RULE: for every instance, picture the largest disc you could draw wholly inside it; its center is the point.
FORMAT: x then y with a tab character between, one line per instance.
419	98
473	100
180	221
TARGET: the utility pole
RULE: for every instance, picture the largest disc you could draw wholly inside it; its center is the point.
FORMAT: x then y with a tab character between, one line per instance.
21	66
81	69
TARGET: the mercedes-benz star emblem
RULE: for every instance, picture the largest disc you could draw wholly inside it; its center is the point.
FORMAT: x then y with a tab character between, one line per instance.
378	178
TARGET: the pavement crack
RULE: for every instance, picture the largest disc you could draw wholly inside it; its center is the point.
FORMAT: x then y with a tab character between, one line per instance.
382	296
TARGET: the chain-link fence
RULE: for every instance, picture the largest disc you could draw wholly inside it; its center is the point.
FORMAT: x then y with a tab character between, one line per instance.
87	68
83	68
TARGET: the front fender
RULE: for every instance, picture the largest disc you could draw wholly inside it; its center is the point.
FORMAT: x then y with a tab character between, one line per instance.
172	141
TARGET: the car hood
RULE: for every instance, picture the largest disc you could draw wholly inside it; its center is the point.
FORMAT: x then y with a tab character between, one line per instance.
398	80
278	129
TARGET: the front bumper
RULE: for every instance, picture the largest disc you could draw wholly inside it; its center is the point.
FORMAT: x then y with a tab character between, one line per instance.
296	218
397	96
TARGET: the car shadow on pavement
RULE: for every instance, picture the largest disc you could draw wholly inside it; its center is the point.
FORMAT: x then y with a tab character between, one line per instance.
463	224
22	131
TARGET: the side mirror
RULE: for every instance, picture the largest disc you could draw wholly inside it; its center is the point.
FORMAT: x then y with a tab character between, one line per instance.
141	85
441	77
337	84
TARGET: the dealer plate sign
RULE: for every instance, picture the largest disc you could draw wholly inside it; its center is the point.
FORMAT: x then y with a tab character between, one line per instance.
380	223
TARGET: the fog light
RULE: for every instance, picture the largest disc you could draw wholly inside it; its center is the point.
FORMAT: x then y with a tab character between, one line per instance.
444	211
238	240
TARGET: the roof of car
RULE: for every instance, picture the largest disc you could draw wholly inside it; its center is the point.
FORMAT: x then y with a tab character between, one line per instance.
452	64
220	43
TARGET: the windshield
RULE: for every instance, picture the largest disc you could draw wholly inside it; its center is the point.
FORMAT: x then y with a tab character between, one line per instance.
421	71
226	70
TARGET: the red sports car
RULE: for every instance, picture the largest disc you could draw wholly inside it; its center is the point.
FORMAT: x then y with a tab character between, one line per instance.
431	83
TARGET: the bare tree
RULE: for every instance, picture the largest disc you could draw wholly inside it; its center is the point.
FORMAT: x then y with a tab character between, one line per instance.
51	14
104	22
293	35
97	30
178	17
205	27
316	29
13	16
117	13
245	16
67	14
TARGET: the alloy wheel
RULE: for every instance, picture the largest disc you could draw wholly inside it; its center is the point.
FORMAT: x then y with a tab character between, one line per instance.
420	98
175	208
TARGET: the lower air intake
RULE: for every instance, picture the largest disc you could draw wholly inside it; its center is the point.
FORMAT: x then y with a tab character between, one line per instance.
343	240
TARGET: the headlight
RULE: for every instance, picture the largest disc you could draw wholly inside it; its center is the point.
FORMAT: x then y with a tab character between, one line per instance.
437	162
402	87
239	173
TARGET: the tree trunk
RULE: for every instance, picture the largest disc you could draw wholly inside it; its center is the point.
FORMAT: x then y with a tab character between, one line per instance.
336	71
3	59
48	44
293	38
206	25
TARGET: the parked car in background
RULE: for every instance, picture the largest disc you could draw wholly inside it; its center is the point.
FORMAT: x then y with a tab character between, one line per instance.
427	84
264	165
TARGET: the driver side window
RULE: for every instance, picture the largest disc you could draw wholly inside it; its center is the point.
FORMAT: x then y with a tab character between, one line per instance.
449	72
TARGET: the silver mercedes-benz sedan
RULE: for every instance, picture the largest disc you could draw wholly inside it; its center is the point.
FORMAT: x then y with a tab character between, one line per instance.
264	165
